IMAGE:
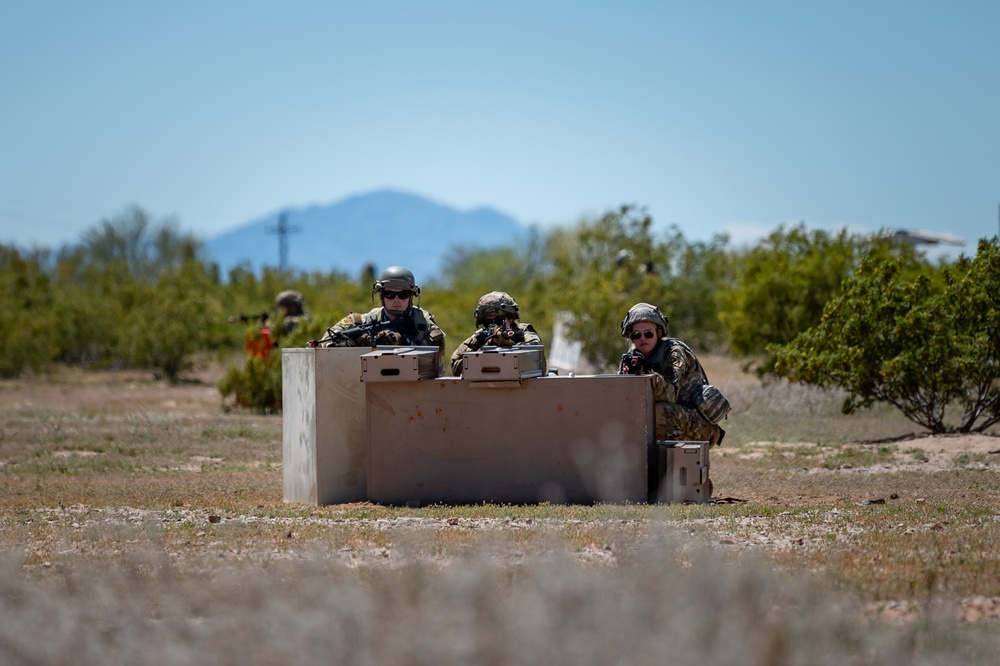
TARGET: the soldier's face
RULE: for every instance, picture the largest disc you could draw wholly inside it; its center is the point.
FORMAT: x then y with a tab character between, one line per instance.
644	336
396	302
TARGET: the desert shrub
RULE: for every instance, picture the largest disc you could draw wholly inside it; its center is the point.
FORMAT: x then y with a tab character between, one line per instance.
780	286
928	347
169	321
29	326
256	384
598	270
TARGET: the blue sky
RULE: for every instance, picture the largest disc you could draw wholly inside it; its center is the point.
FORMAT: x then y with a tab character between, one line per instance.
715	116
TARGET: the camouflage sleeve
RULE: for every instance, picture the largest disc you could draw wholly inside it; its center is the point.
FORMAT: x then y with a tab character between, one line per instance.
663	389
333	337
528	335
456	358
688	376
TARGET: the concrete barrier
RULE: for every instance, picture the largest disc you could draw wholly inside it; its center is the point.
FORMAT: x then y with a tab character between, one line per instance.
558	439
323	425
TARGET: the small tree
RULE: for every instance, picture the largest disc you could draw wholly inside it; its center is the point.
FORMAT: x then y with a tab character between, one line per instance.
256	385
170	322
599	270
780	286
29	327
927	345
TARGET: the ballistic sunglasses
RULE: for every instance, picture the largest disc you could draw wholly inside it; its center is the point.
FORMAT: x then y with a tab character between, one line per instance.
642	334
392	295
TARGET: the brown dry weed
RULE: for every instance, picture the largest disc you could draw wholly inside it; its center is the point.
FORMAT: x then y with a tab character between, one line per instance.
115	469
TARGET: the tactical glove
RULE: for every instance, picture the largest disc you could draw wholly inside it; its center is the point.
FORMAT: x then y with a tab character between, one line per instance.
388	338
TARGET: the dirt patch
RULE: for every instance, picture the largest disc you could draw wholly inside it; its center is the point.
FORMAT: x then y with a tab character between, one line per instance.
924	453
942	450
73	389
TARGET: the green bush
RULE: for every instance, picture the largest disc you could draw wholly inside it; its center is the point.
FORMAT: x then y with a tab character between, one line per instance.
170	321
928	345
780	286
29	326
256	385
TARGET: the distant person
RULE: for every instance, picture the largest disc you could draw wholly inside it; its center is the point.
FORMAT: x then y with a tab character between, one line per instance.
262	339
497	316
688	408
397	321
291	311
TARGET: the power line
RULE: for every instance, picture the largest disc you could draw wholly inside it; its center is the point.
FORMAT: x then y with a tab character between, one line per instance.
283	230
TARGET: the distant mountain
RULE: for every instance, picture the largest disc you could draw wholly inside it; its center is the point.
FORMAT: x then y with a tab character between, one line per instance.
384	227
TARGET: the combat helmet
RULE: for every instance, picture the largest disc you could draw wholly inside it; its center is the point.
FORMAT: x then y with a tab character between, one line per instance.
290	300
494	304
645	312
396	278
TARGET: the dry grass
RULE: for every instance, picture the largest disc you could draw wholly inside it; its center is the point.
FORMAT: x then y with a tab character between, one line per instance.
146	526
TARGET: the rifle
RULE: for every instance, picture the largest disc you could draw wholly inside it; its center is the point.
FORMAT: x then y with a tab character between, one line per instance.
634	363
263	318
401	325
492	330
258	342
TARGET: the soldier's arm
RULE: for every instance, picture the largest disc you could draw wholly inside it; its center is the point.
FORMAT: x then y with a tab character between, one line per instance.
467	346
527	335
335	337
663	389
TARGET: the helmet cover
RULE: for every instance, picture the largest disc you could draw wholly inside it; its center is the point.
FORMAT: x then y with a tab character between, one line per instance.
644	312
494	304
289	299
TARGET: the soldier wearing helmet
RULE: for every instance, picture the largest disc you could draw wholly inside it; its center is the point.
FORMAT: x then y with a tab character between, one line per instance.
687	406
497	317
396	289
290	307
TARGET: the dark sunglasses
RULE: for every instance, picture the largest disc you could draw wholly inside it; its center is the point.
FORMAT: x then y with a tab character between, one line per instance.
642	334
391	295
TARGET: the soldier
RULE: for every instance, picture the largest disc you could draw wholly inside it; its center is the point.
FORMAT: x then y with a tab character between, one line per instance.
496	316
687	406
401	322
290	306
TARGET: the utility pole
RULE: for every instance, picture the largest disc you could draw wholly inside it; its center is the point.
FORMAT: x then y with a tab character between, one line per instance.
283	229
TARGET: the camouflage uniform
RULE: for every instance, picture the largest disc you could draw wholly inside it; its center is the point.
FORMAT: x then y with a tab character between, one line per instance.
524	334
290	311
490	308
413	326
677	379
419	330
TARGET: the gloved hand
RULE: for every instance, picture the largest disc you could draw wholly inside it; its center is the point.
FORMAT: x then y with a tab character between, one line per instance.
633	363
388	338
483	335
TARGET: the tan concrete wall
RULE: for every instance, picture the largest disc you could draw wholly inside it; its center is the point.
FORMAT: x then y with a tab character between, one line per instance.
557	439
323	425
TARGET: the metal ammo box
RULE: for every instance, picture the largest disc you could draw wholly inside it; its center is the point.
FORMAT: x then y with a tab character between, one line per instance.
492	364
682	472
400	364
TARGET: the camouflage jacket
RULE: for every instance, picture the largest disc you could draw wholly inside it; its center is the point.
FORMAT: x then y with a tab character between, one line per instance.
286	324
678	376
420	330
524	334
